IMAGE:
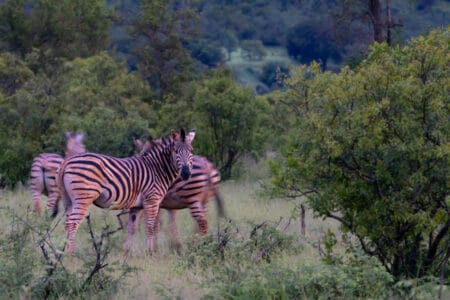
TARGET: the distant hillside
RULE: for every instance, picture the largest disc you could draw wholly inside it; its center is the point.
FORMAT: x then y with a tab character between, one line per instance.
288	31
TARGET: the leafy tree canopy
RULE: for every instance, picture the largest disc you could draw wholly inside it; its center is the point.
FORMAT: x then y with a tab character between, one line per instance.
163	27
230	119
95	95
370	149
56	28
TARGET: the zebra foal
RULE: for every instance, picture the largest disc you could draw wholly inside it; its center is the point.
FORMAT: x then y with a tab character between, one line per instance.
119	183
43	173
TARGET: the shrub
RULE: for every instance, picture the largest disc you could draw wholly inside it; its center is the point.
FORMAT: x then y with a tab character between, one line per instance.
370	149
362	277
264	241
31	265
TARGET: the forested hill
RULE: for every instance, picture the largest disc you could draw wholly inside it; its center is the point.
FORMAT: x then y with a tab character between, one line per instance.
255	37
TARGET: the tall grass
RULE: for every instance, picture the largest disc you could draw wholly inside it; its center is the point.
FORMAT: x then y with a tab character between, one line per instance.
257	252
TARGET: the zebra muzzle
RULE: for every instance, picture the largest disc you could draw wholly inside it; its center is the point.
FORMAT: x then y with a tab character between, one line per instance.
185	173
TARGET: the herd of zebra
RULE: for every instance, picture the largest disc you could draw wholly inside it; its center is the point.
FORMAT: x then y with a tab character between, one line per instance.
164	174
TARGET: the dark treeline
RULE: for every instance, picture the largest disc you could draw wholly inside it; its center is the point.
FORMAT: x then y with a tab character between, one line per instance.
366	144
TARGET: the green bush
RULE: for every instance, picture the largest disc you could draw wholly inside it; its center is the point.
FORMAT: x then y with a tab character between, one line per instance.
264	241
370	149
318	281
95	95
18	259
31	265
250	266
229	119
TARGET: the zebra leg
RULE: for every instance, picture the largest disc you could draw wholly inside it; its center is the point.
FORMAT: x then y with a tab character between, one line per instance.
53	193
36	199
133	220
157	229
151	208
74	216
173	229
52	204
37	187
198	213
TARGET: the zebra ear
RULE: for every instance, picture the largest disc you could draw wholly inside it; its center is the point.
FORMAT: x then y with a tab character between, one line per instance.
138	144
150	141
183	135
79	137
174	135
190	136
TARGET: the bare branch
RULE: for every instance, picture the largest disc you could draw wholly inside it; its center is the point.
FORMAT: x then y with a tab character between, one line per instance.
301	193
341	220
101	254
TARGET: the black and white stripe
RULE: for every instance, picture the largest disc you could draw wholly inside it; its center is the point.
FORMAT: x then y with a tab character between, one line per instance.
118	183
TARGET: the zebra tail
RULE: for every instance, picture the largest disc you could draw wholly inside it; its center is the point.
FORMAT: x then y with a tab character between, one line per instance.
219	203
67	202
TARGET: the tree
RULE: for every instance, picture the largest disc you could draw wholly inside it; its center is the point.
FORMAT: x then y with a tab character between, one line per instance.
230	120
207	52
370	12
371	150
162	27
54	28
94	92
71	28
95	95
13	73
311	40
15	27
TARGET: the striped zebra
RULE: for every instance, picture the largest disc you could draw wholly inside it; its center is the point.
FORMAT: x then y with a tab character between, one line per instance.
44	169
194	194
120	183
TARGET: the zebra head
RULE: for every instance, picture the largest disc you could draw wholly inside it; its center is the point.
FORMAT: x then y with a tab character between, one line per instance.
74	144
182	152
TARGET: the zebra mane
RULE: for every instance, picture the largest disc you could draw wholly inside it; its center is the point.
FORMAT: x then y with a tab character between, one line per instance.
150	145
162	142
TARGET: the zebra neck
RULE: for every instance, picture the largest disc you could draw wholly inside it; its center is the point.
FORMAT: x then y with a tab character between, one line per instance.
161	160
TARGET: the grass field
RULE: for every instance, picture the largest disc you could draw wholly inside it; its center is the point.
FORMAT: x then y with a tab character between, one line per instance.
196	271
164	272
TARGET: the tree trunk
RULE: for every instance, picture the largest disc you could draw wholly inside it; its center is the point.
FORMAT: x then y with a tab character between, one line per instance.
302	218
389	24
226	169
375	15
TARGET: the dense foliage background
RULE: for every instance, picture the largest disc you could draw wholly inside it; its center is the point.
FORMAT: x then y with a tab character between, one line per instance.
349	98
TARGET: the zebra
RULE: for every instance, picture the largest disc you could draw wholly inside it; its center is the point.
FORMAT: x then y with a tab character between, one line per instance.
193	194
43	173
119	183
